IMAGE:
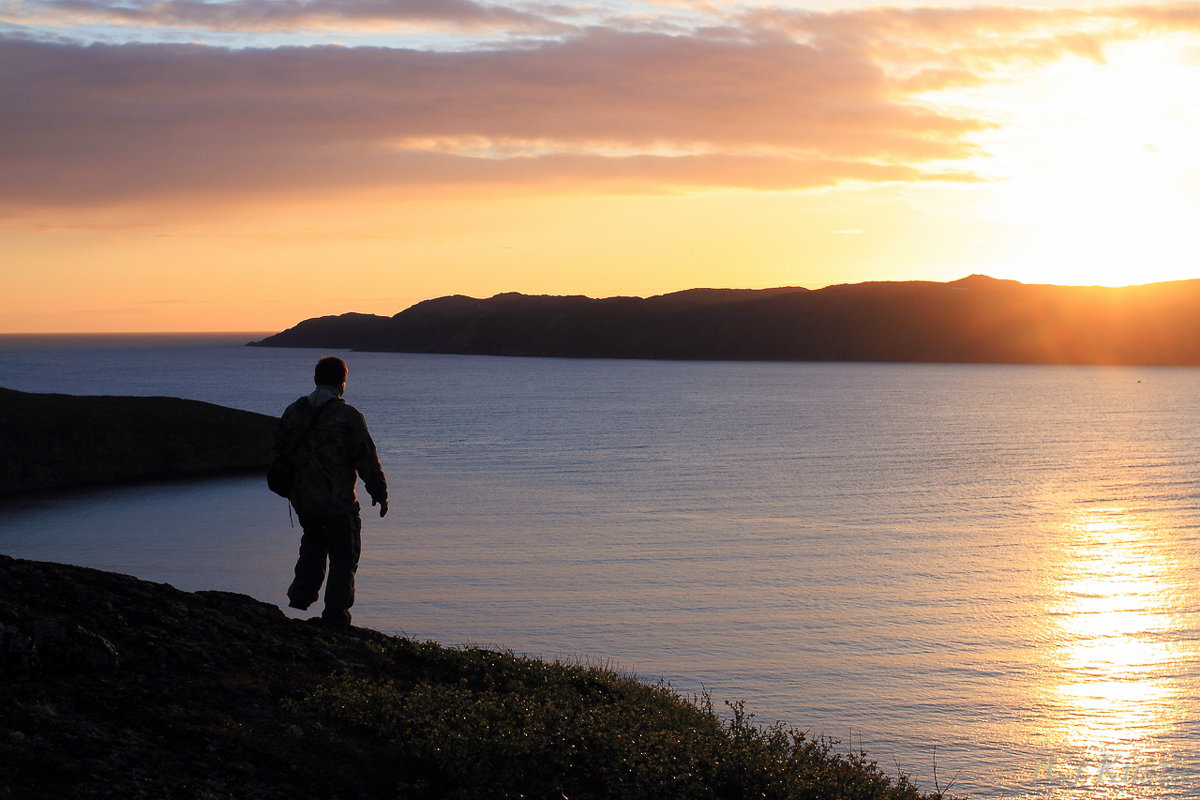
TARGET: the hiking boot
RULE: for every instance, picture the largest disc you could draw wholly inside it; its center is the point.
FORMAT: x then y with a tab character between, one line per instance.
336	619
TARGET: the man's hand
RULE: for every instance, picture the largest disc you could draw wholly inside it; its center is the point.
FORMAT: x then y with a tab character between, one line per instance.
382	506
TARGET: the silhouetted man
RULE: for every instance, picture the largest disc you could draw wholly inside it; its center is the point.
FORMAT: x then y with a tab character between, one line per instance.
330	447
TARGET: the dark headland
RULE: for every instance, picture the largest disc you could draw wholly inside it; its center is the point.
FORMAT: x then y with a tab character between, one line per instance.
974	320
56	441
112	687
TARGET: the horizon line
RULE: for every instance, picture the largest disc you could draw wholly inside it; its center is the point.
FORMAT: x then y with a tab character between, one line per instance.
268	332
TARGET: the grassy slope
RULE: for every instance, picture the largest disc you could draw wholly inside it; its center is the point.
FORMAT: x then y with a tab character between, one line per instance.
141	690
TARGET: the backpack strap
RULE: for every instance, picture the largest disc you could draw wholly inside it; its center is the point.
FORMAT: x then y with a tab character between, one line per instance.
312	421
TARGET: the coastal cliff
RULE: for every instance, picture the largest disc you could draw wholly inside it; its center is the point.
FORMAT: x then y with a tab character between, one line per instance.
115	687
974	320
55	441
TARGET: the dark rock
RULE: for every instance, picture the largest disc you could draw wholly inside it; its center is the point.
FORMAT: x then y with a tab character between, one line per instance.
194	706
18	655
68	648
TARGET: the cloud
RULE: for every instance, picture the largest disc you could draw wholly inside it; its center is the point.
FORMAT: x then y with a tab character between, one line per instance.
1168	16
782	100
88	123
278	15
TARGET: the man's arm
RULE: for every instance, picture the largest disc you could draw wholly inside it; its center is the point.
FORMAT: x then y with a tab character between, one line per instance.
366	462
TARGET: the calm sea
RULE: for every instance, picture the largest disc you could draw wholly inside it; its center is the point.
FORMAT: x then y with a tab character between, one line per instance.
993	570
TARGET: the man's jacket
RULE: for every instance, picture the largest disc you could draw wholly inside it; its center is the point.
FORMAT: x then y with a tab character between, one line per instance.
330	457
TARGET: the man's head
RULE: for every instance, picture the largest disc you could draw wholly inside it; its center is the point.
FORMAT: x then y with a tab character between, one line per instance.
331	372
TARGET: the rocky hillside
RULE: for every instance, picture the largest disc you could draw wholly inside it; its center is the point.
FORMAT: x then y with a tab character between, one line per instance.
54	441
976	319
111	687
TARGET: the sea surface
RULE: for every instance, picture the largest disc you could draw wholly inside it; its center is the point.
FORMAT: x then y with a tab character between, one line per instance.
984	576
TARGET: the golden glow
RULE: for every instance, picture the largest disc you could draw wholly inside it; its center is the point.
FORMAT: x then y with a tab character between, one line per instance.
1094	168
267	268
1113	600
1046	143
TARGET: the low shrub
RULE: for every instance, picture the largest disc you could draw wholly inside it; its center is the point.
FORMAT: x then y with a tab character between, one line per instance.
472	723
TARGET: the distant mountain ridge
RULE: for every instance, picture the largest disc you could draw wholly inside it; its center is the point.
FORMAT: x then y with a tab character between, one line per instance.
973	320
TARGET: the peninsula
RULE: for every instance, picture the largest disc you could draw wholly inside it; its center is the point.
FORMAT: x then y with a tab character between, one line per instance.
58	441
974	320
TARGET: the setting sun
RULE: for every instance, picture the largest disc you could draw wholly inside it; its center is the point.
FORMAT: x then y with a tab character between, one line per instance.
1095	168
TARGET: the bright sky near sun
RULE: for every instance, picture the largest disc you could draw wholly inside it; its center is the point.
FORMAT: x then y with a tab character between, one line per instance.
190	165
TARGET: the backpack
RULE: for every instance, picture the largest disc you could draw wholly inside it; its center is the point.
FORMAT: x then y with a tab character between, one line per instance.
281	475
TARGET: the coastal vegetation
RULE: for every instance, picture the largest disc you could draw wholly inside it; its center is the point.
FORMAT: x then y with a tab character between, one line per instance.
115	687
974	320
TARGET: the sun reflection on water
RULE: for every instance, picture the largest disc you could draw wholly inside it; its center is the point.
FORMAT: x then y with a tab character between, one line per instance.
1114	618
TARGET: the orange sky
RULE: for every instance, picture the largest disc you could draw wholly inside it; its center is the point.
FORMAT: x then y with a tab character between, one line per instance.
179	165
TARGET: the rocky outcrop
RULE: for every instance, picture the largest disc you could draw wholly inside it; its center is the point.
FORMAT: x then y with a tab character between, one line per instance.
55	441
112	687
976	319
115	687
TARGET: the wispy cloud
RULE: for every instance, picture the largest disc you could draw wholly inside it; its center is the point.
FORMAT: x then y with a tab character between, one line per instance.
777	100
277	15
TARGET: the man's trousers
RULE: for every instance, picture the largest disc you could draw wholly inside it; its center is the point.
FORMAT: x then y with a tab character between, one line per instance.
336	538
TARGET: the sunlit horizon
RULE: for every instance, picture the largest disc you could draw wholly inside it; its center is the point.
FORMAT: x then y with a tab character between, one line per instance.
251	334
